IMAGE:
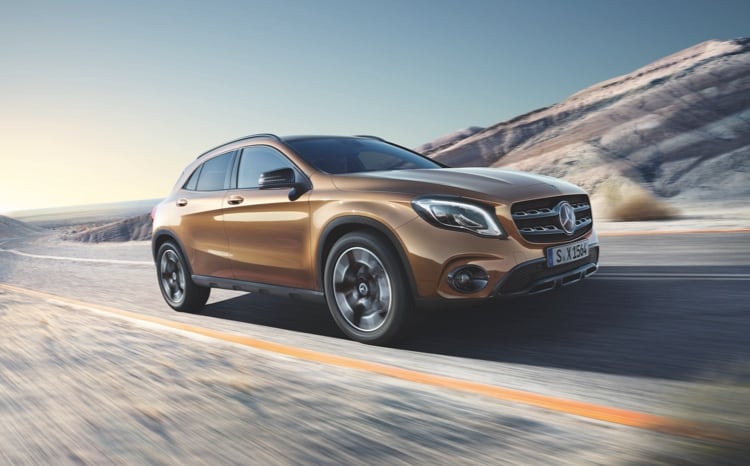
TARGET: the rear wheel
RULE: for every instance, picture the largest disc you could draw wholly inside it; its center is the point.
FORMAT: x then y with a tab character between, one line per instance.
177	288
366	289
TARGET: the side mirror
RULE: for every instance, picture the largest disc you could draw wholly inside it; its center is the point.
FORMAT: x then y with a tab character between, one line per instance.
283	178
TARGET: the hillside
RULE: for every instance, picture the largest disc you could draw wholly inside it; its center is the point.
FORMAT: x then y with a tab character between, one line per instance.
12	228
678	127
131	229
448	139
81	214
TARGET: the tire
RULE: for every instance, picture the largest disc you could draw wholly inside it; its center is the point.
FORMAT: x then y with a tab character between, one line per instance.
177	288
366	289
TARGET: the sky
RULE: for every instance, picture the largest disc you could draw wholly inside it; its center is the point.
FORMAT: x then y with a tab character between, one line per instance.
107	101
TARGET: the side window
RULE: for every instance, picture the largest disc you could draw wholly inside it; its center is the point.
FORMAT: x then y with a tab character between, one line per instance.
256	160
192	182
215	173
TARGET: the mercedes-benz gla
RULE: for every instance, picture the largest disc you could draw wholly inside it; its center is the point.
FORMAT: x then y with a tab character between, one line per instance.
370	227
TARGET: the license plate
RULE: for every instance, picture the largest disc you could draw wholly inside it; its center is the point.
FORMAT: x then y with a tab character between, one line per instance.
567	253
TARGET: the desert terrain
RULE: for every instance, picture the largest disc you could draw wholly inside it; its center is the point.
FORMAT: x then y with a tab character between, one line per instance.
95	368
646	362
668	138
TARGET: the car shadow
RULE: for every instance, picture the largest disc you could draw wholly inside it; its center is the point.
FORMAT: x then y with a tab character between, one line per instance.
617	322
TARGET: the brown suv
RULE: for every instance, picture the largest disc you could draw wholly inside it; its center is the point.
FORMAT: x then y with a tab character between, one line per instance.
370	227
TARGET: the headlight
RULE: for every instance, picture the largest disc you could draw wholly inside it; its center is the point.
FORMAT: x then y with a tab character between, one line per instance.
456	214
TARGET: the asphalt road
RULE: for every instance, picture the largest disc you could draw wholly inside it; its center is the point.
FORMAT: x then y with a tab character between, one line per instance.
662	328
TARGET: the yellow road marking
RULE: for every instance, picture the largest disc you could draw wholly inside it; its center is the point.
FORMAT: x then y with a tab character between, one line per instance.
624	417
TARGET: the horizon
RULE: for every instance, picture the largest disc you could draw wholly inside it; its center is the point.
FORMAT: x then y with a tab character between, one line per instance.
97	109
80	207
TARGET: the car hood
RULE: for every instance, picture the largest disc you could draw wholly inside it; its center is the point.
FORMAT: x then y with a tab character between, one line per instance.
489	184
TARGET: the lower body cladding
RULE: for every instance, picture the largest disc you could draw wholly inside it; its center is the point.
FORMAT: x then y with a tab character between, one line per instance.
536	277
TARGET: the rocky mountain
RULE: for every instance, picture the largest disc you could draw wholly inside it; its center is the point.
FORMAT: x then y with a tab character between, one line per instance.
136	228
448	139
678	128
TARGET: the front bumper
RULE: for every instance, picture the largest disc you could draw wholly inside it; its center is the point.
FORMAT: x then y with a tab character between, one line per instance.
535	277
513	265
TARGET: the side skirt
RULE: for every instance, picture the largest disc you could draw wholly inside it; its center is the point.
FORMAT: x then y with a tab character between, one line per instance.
260	288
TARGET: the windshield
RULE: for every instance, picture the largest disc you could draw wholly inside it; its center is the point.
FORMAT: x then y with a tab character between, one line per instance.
353	155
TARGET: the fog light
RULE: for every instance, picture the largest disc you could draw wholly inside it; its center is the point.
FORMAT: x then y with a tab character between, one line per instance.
468	279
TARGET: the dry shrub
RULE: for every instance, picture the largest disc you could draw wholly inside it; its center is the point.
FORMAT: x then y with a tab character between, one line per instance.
628	202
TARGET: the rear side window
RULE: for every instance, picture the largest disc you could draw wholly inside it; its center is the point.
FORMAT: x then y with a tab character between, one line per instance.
214	174
192	182
256	160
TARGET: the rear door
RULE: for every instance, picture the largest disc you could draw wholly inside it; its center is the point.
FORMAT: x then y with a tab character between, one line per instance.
199	207
269	235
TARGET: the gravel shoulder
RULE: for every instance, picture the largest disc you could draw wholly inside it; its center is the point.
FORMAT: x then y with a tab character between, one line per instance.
692	216
77	388
82	387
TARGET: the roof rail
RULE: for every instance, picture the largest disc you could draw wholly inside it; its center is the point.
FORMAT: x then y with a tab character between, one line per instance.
259	135
369	137
264	135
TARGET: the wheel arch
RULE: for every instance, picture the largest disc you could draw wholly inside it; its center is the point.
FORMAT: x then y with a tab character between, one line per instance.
351	223
162	236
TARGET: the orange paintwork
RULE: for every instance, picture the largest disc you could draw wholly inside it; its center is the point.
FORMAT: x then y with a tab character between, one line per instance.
270	239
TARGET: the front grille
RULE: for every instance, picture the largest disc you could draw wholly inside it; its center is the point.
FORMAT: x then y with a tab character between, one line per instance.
538	220
523	277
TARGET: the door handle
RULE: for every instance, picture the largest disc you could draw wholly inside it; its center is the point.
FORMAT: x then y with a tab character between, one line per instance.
235	199
181	202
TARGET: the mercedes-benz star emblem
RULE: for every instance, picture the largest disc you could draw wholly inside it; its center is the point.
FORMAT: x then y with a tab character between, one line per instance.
567	217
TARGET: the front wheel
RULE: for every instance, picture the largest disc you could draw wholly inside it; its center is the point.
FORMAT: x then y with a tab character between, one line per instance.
366	289
175	283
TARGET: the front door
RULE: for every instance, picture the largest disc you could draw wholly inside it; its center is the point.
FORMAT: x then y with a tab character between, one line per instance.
268	234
